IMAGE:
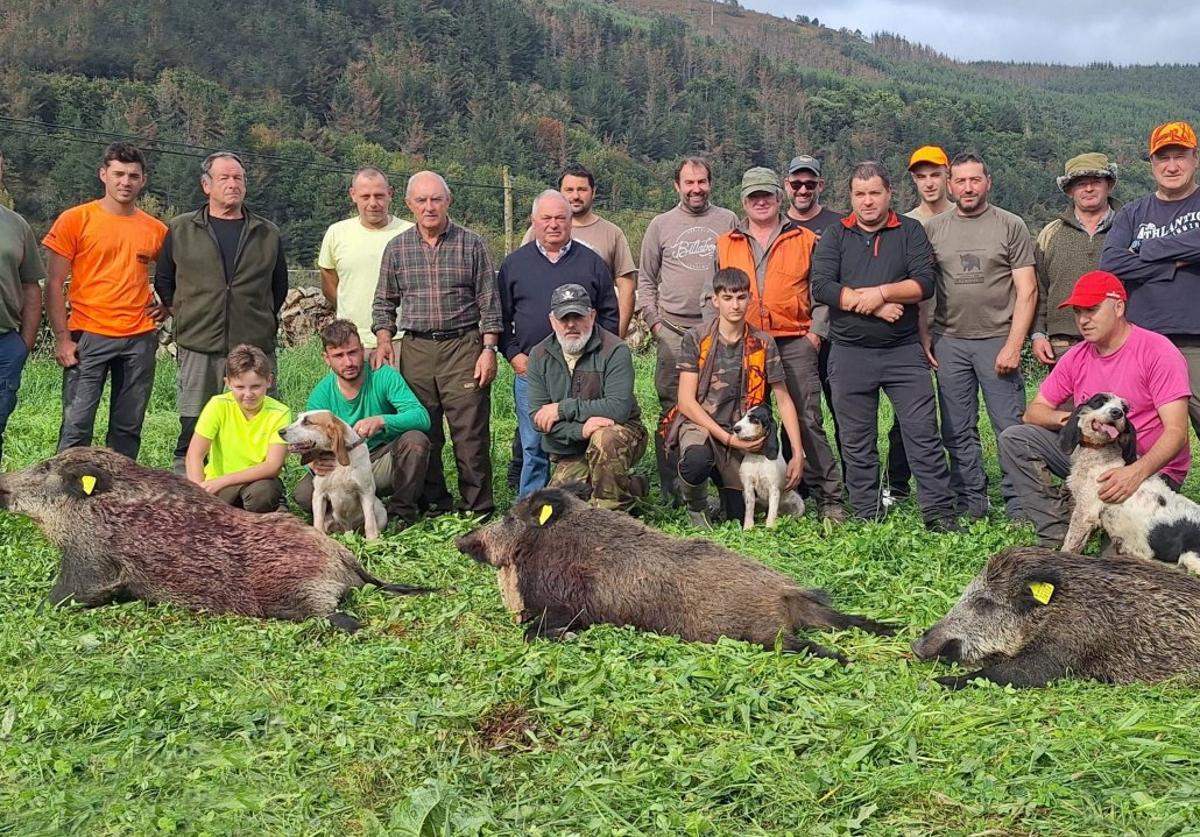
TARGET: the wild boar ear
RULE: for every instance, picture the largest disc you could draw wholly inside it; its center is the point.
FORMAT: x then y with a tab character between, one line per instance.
545	508
86	481
1038	588
1068	437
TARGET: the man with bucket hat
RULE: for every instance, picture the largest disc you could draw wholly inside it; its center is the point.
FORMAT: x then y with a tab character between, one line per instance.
1115	356
1154	247
1070	246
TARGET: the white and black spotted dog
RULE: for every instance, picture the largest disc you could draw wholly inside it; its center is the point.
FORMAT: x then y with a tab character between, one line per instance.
1155	522
764	474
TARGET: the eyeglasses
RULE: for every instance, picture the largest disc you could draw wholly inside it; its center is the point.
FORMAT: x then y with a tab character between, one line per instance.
804	185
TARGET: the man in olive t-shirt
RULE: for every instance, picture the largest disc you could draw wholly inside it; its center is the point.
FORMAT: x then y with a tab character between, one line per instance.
986	295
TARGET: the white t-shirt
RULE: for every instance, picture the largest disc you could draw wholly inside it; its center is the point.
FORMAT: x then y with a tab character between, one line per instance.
356	252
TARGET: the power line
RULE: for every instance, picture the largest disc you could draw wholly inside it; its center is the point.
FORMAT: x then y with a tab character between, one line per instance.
182	149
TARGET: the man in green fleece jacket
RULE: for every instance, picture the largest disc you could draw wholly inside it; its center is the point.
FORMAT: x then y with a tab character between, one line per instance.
380	407
1070	246
580	381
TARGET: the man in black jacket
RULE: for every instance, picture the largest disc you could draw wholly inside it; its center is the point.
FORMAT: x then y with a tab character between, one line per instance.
872	270
223	274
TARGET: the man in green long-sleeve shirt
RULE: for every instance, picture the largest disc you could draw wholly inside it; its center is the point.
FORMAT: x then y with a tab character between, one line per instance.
379	405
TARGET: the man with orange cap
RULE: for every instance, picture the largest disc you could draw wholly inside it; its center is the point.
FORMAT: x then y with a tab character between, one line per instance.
929	168
1115	356
1154	247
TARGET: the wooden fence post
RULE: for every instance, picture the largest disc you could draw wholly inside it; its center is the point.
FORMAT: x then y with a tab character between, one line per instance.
508	212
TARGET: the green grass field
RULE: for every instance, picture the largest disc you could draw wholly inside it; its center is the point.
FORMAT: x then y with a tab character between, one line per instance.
438	719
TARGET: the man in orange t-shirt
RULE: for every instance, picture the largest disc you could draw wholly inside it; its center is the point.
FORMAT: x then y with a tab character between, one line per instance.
105	247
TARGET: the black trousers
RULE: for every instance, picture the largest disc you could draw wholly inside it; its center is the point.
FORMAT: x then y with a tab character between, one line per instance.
856	377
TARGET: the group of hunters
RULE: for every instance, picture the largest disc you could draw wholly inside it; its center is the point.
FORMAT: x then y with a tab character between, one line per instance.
787	302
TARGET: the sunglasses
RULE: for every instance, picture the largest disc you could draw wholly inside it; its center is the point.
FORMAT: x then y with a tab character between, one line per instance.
804	185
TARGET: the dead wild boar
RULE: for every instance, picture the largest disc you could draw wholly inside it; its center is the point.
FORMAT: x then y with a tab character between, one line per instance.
1034	615
563	565
129	532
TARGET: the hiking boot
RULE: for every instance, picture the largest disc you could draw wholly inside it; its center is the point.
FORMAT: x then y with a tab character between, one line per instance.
947	525
832	511
699	519
639	486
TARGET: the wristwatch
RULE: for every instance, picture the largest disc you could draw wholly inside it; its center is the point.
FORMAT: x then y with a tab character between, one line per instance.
494	348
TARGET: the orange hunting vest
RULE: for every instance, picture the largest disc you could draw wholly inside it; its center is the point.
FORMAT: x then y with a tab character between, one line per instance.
784	309
754	380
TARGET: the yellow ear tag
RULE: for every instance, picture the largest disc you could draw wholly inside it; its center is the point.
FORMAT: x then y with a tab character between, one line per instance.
1042	591
544	514
89	484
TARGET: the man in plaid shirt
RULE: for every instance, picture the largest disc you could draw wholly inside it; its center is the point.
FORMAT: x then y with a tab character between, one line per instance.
437	318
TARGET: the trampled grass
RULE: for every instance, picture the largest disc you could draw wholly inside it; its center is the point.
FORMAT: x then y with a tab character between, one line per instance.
438	719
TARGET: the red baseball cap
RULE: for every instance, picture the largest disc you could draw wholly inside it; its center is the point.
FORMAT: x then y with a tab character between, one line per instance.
1093	288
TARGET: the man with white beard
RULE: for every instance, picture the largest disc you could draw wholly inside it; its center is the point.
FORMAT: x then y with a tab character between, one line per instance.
580	382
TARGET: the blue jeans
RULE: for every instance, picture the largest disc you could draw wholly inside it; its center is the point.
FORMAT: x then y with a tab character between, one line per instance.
13	353
535	469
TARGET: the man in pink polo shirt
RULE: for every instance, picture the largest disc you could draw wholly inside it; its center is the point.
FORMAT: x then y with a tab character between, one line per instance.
1141	366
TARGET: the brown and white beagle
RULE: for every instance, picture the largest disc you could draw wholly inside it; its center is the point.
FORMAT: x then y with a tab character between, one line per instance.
347	494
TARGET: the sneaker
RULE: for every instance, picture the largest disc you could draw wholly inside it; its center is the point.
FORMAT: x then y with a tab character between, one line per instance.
832	511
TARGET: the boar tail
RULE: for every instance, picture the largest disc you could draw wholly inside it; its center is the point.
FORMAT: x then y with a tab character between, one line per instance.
869	625
387	586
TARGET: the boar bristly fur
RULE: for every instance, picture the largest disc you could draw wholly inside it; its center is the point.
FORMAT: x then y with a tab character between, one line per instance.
563	565
1034	615
130	532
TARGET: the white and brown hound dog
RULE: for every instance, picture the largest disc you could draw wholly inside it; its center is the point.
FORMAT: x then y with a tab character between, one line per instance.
347	494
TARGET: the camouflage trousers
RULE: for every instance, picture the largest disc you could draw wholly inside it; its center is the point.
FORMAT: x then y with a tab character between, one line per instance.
607	466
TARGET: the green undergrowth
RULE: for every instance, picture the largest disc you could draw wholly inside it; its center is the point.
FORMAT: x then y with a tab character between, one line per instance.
438	719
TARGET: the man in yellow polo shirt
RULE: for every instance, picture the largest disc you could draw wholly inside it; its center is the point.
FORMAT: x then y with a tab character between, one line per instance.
352	251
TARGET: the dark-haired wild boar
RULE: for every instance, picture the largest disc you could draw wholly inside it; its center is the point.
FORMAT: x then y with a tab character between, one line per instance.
128	532
1034	615
564	565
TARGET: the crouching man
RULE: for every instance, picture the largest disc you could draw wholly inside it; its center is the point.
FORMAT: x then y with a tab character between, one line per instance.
1115	356
381	408
580	381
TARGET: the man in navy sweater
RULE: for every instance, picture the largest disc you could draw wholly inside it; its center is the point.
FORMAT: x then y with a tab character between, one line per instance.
527	279
1153	247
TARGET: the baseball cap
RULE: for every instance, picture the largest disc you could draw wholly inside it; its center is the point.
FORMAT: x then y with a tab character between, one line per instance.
804	162
1093	288
1172	133
570	299
760	179
928	154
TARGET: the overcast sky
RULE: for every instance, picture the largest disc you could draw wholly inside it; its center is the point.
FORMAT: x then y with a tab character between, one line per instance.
1062	32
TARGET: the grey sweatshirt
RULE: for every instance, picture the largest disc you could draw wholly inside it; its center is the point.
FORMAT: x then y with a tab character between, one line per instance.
678	254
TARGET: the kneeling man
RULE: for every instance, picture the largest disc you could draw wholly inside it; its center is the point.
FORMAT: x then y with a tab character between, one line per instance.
1141	366
380	407
581	399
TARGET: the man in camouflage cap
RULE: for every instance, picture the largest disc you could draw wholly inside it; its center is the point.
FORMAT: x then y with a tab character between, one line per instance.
581	399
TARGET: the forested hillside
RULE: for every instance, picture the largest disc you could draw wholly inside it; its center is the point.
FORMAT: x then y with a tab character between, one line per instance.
311	90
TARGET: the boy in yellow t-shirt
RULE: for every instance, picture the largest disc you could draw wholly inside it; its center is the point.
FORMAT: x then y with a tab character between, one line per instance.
238	431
